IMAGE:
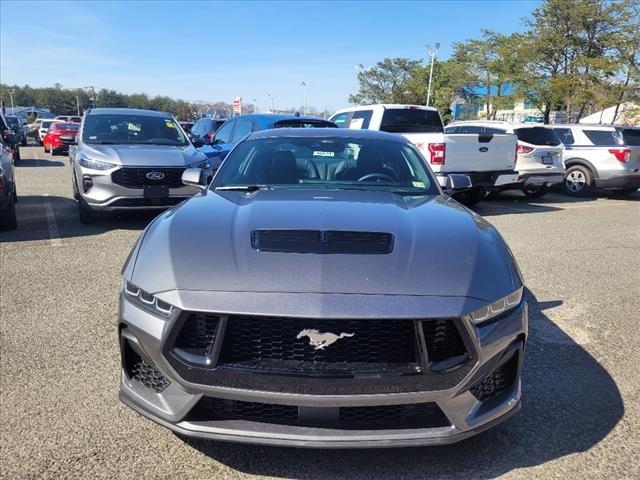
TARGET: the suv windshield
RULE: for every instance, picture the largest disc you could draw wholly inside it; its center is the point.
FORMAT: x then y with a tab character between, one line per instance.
538	136
132	129
328	163
411	120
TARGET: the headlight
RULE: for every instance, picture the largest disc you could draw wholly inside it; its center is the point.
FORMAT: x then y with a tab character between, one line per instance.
204	165
147	301
496	308
95	164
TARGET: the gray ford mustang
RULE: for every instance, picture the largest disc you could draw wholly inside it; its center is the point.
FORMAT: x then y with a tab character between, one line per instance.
322	292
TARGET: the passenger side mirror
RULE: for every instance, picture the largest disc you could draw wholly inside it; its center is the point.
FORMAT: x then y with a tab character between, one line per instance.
194	177
197	142
458	183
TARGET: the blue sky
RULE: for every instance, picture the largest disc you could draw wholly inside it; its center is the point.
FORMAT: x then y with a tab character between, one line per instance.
215	51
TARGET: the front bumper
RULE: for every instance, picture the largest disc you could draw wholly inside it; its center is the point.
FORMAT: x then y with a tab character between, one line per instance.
498	343
105	195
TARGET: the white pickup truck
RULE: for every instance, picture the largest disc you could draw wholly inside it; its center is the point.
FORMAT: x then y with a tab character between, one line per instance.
487	158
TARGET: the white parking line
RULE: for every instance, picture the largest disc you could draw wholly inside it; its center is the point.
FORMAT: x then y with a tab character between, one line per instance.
54	234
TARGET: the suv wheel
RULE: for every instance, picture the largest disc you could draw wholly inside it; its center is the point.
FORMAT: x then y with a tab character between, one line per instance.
577	181
535	191
470	197
85	212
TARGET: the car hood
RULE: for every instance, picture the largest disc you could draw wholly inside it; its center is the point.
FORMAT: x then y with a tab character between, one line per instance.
440	248
144	155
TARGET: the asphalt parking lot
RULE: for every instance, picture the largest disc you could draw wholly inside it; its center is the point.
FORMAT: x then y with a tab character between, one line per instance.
60	416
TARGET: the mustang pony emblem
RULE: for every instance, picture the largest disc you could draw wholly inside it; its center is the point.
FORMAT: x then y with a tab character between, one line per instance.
322	340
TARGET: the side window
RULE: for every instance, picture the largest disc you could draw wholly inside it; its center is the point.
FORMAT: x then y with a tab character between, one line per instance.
195	130
360	120
602	137
244	128
451	130
340	119
566	137
224	134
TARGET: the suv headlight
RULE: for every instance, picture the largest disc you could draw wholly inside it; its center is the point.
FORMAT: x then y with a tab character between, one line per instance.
498	307
147	301
94	164
204	165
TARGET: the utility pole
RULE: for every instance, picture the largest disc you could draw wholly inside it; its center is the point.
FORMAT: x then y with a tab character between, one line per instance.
255	105
433	54
305	86
93	95
78	104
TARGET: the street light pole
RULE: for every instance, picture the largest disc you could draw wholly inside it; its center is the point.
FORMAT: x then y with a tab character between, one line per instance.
78	104
255	105
305	86
11	92
433	54
273	102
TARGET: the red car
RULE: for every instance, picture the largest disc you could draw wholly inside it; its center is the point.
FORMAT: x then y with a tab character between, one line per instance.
60	136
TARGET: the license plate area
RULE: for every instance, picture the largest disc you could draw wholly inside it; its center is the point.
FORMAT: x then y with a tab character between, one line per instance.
156	193
547	160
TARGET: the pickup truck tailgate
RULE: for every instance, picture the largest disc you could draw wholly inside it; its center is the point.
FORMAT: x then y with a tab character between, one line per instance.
468	152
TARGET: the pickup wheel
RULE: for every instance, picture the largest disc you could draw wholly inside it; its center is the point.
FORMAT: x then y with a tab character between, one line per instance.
535	191
578	181
471	197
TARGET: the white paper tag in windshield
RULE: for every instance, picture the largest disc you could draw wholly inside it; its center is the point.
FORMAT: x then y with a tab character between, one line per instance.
323	154
356	123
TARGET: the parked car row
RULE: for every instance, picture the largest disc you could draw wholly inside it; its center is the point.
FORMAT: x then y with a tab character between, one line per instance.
9	156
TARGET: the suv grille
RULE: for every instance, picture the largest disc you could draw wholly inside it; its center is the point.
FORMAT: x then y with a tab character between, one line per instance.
418	415
318	241
131	177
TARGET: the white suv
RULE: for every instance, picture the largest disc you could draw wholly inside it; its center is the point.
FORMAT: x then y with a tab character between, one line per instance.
599	156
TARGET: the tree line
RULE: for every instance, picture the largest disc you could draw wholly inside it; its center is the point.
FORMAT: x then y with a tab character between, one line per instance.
574	56
64	101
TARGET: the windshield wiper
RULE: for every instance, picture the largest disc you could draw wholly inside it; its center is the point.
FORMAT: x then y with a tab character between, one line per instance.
244	188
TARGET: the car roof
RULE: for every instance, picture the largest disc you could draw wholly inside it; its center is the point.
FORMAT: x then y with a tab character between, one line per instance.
384	106
126	111
327	132
590	126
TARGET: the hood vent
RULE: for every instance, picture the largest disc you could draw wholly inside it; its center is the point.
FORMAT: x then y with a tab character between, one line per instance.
322	241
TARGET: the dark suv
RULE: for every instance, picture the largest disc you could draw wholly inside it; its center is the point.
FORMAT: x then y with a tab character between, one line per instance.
205	128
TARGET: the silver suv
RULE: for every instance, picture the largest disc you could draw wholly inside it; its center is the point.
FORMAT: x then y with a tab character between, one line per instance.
129	159
596	156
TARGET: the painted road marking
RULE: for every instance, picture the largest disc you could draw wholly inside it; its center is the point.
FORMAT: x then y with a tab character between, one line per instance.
54	234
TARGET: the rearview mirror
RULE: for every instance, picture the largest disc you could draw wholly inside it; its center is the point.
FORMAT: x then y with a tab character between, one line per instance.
458	183
194	177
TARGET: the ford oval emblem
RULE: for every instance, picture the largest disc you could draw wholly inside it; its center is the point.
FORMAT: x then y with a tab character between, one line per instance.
484	149
155	176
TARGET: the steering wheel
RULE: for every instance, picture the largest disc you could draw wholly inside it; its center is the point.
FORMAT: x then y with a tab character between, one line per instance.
382	176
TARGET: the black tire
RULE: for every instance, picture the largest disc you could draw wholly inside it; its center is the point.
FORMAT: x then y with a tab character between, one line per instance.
85	212
23	142
74	186
16	155
578	181
8	218
471	197
535	191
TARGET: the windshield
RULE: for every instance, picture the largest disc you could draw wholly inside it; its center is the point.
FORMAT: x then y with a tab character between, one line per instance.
46	124
328	163
411	120
67	126
124	129
13	121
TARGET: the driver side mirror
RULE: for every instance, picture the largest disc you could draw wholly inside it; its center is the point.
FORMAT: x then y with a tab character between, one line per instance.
197	142
194	177
458	183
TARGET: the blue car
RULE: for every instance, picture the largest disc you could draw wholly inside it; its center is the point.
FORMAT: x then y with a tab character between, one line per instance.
235	129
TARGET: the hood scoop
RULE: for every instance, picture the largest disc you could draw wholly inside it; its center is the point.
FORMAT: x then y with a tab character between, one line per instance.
322	242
